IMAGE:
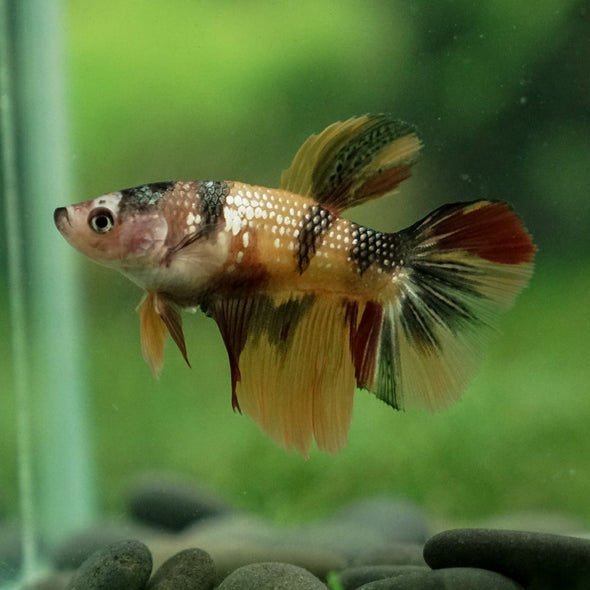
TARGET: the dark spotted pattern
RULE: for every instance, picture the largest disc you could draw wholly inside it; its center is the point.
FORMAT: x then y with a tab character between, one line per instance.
370	246
142	198
213	194
354	155
314	224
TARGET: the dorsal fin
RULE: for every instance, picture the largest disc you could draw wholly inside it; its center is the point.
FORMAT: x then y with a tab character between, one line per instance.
353	161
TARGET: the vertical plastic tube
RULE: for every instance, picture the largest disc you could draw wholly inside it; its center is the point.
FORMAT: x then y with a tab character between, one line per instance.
54	354
66	474
21	383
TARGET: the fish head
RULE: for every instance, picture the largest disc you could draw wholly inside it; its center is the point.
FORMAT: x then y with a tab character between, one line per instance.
143	233
105	232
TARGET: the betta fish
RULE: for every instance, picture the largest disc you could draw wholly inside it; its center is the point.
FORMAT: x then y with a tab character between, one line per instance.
309	304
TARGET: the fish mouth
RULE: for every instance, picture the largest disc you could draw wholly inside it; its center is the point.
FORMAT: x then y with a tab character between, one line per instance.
61	217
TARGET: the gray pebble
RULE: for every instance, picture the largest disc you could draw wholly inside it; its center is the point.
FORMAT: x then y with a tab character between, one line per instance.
55	581
318	562
538	560
354	577
271	576
10	551
391	554
445	579
76	548
345	538
399	521
171	503
191	569
125	565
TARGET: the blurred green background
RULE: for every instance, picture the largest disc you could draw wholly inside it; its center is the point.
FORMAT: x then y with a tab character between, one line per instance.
187	89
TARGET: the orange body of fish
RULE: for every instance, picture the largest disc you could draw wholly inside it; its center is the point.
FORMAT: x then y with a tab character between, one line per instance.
311	305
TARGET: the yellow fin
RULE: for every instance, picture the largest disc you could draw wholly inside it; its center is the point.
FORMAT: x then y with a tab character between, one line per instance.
353	161
295	375
158	318
153	333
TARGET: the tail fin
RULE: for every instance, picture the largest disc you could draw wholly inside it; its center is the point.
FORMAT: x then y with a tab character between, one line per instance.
462	265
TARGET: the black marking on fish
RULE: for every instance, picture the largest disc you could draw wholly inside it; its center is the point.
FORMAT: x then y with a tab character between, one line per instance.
213	194
314	224
142	198
443	294
370	246
284	319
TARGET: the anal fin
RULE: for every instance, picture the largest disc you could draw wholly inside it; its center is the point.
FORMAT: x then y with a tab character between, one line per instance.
292	369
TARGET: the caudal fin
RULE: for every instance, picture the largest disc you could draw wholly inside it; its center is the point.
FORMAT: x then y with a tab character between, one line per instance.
462	265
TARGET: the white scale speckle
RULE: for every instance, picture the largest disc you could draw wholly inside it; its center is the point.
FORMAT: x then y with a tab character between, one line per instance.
229	200
277	243
249	213
190	218
233	222
239	256
246	239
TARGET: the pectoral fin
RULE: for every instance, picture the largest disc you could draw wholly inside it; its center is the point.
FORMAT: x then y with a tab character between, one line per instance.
159	317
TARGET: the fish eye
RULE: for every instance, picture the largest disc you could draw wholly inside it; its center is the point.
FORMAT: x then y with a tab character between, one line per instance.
101	220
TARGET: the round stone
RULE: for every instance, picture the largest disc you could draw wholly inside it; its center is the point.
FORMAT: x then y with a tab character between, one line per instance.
271	576
354	577
399	521
391	554
10	551
125	565
171	503
537	560
191	569
445	579
76	548
54	581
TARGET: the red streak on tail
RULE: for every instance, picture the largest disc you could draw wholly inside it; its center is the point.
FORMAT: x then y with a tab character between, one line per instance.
364	339
491	230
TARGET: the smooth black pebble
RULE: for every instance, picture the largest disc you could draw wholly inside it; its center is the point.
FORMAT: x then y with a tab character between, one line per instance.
191	569
271	576
537	560
460	578
171	503
125	565
354	577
